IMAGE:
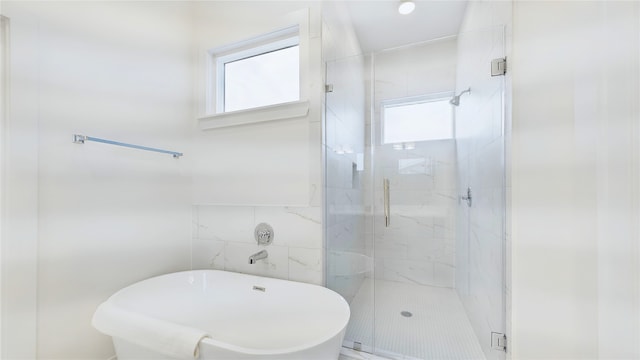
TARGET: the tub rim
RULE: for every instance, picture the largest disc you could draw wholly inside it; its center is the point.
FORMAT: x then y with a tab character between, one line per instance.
241	349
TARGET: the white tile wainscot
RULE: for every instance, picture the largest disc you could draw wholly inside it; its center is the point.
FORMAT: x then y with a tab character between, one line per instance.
223	240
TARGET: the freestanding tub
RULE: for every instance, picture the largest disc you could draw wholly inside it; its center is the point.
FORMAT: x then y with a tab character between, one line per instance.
243	316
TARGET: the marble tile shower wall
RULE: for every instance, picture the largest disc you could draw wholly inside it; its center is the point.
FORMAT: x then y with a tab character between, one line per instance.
419	245
223	239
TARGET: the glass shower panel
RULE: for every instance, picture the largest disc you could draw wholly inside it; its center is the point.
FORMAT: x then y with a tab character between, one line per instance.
480	135
348	241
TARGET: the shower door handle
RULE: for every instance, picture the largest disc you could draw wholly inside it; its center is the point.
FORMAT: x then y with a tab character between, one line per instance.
387	208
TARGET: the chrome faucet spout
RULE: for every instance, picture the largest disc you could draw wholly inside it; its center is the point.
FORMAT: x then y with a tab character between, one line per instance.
258	256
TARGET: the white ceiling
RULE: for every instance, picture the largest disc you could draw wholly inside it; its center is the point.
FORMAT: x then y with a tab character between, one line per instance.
379	25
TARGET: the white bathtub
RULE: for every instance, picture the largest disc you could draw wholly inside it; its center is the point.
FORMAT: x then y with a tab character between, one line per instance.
288	320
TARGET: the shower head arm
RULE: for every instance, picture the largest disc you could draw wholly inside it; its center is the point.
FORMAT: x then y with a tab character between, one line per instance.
456	98
465	91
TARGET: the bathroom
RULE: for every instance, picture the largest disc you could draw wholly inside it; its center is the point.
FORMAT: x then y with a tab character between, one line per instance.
555	202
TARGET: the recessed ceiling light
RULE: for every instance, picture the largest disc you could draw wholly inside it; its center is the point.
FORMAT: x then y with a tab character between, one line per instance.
406	7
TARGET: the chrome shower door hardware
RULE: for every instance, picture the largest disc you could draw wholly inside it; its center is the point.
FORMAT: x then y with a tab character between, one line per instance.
499	66
467	197
498	341
263	234
387	206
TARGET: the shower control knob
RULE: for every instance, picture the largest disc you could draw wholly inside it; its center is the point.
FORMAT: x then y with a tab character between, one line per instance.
263	234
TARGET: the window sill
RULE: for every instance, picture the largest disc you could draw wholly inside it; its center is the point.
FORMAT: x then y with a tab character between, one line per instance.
284	111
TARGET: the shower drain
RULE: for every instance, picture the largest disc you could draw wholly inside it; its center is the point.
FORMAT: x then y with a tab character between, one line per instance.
406	313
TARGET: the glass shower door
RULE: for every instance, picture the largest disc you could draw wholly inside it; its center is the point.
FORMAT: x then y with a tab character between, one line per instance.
418	313
439	260
422	270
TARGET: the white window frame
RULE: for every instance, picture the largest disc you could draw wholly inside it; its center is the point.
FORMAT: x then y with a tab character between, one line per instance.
411	101
273	41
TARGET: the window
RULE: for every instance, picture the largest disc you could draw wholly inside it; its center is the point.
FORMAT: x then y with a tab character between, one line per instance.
417	119
258	72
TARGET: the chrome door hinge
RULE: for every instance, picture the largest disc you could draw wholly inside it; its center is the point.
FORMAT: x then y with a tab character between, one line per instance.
357	346
328	88
498	66
498	341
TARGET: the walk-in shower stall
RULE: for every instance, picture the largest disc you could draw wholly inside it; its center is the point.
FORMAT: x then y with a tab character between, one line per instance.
414	144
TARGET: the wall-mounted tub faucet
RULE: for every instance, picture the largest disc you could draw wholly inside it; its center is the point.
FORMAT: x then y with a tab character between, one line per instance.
257	256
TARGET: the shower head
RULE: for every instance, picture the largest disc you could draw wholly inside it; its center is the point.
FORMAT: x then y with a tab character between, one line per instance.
455	101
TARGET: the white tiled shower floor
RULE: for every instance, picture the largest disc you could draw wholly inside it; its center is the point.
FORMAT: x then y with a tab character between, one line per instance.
438	329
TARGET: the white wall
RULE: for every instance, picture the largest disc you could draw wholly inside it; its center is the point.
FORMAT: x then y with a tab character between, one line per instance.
106	216
274	163
20	190
4	57
575	180
261	172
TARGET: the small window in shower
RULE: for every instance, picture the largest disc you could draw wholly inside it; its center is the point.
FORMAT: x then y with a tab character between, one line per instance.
258	72
417	119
